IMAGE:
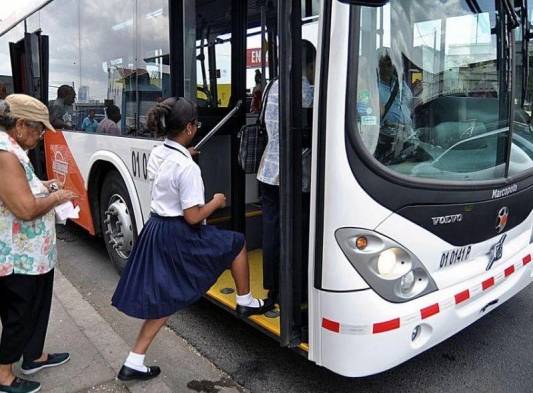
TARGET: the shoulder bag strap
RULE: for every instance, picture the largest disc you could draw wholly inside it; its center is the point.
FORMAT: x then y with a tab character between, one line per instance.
392	97
264	100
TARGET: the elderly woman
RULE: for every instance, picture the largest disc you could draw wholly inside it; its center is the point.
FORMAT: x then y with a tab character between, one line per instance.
27	244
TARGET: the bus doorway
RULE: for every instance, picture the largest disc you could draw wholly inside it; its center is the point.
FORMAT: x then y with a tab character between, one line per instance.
222	53
29	63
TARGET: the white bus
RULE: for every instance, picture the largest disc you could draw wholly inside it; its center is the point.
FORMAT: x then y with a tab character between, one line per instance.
422	150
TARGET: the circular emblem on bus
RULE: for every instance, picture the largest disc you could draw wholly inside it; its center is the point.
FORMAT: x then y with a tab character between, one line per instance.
502	219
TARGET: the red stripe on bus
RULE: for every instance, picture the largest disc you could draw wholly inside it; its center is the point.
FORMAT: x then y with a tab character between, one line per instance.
331	325
429	311
487	283
386	326
526	259
509	271
462	296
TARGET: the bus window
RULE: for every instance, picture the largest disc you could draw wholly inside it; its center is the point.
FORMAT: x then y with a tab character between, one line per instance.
426	91
209	57
6	74
521	157
60	21
108	66
153	77
310	8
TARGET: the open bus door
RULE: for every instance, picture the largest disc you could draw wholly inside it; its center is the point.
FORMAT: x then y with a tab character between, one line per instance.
29	62
206	65
292	266
208	60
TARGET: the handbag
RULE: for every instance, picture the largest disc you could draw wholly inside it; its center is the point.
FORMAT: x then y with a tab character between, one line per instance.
253	138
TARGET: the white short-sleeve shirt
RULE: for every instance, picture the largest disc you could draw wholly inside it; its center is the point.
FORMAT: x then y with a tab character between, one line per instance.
176	180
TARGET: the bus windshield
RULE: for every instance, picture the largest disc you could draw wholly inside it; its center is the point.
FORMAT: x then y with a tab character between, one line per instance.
433	89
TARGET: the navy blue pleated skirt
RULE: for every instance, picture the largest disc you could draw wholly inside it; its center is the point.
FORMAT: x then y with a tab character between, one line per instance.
172	265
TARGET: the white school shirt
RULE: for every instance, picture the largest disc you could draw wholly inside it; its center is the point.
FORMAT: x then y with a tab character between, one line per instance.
175	179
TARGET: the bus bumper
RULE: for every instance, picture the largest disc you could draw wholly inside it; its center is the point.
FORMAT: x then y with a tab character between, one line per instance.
362	334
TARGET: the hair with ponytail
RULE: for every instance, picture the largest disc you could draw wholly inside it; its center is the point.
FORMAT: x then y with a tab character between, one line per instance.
170	117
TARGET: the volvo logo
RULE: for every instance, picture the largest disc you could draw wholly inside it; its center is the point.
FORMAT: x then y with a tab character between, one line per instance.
442	220
502	219
496	251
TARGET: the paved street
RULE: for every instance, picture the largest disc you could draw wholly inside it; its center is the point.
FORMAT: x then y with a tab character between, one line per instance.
493	355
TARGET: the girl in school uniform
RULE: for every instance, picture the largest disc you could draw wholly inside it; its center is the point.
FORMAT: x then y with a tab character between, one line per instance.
177	258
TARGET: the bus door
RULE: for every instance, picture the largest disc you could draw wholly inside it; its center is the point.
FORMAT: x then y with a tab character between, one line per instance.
217	49
298	37
206	64
29	62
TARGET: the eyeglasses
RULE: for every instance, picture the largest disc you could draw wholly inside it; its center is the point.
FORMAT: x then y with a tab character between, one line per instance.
197	123
37	126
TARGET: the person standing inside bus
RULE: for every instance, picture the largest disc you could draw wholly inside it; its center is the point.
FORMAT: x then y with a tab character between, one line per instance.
62	109
108	125
177	257
89	123
28	252
268	174
257	93
396	106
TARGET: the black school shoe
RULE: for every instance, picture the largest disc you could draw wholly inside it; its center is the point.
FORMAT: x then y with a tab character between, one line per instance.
54	359
129	374
246	311
20	385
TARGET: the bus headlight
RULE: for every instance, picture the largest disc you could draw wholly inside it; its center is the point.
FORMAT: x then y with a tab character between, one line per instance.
407	282
390	269
393	263
412	284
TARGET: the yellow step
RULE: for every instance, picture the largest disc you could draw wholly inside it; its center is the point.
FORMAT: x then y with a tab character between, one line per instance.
225	281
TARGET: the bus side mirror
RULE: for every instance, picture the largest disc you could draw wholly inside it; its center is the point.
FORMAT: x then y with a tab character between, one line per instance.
368	3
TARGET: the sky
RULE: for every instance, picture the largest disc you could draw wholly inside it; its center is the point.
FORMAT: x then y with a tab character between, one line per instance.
8	7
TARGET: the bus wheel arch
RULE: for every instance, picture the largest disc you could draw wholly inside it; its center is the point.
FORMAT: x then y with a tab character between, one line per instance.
116	209
117	218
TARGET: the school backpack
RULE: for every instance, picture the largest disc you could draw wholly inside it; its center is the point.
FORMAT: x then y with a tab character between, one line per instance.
253	138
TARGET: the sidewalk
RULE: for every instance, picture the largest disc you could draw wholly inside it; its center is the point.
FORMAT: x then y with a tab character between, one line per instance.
97	353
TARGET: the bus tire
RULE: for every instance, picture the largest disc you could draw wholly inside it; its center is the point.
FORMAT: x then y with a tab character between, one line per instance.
118	219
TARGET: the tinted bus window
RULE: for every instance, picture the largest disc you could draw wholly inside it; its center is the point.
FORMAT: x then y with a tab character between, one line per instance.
108	65
153	72
6	75
432	101
60	21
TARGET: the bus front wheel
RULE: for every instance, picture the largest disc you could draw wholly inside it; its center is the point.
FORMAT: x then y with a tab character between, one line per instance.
117	218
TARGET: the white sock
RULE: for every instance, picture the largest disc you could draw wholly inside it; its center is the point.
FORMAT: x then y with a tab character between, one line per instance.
248	300
136	362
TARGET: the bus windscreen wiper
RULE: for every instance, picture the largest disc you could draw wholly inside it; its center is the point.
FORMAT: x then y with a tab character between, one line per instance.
218	126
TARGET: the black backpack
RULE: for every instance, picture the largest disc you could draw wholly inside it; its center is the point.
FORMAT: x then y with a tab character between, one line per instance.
253	138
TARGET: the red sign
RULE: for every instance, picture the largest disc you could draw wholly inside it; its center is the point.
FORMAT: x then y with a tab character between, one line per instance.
253	58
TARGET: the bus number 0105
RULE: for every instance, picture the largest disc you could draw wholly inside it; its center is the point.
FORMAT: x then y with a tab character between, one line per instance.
139	164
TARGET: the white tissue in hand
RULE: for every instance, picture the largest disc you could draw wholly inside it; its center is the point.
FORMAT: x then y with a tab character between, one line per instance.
66	210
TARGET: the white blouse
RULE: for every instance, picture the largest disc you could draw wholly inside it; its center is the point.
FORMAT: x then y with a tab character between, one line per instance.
176	180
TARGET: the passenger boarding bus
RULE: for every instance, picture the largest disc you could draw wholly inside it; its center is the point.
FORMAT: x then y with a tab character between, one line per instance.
420	141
